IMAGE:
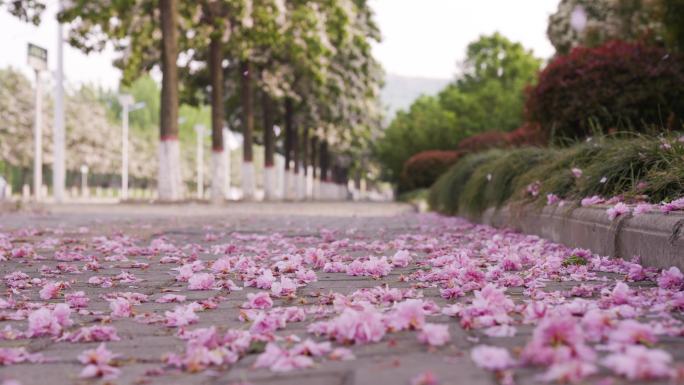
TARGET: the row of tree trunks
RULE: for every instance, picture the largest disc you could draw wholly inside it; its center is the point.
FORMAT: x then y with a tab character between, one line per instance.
300	150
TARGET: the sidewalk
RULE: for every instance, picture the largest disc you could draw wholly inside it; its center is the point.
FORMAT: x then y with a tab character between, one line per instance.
320	266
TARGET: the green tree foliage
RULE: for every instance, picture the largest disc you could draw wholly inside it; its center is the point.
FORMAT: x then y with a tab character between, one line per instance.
488	107
427	125
145	120
488	96
673	20
496	58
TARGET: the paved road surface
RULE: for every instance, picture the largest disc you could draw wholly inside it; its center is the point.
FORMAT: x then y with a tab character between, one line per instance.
264	233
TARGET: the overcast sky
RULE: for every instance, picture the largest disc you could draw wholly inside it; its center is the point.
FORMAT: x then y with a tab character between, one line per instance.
428	38
424	38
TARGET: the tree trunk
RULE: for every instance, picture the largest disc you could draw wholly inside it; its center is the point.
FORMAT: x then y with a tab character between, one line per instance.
289	128
315	183
334	180
356	192
269	147
314	159
324	190
305	163
295	150
169	181
247	130
305	150
294	176
345	183
296	163
218	157
288	132
324	160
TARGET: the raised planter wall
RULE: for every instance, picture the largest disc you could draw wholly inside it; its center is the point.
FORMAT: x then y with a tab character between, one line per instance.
658	239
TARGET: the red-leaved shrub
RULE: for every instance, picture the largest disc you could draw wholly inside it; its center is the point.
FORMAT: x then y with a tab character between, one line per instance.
617	86
483	141
529	134
422	169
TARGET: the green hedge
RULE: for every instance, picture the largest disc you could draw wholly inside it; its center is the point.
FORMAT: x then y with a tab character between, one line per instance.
637	168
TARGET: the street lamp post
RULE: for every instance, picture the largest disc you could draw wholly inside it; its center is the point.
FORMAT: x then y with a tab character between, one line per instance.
126	102
38	141
58	165
37	59
127	105
199	129
84	180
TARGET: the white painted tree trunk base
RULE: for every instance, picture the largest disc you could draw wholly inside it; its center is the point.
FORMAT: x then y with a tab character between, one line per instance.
290	185
325	191
331	191
286	184
301	186
344	192
295	186
279	176
248	186
227	175
169	182
322	190
364	187
270	183
219	163
309	184
316	189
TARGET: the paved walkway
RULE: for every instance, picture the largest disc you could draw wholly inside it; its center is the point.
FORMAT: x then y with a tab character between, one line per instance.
130	261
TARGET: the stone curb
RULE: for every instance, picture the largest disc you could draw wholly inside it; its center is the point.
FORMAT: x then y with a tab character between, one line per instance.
658	239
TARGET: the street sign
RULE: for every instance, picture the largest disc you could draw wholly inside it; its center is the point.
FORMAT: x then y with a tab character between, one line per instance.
37	57
126	99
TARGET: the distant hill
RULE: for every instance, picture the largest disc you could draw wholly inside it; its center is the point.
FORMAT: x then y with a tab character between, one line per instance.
400	91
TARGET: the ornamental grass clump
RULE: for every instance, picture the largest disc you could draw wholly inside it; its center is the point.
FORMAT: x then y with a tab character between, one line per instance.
445	193
554	175
639	170
665	179
648	167
492	183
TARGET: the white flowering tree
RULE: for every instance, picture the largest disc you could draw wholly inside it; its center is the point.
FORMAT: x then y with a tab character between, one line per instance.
90	132
351	111
592	22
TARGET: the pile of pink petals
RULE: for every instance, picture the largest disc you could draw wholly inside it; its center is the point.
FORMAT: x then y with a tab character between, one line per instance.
586	316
